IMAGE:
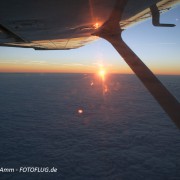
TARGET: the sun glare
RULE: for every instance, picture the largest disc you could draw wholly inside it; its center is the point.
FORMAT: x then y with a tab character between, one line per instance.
96	25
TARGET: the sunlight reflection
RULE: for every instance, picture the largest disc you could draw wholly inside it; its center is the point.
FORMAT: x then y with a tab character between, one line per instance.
102	74
105	89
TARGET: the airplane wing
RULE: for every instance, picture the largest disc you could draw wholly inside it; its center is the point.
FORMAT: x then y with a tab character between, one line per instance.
65	24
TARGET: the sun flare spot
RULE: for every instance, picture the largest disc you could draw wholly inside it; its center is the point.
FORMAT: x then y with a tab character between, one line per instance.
80	111
92	83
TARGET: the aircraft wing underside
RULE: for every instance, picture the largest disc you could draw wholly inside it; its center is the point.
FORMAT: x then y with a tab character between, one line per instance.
56	25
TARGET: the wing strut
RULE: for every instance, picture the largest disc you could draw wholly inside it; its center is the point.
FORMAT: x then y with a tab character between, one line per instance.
111	31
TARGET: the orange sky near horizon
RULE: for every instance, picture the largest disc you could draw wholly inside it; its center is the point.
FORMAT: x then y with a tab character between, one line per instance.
50	68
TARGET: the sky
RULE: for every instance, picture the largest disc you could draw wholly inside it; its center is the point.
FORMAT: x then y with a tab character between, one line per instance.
158	48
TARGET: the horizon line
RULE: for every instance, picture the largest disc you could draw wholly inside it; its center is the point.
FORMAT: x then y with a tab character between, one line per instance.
81	73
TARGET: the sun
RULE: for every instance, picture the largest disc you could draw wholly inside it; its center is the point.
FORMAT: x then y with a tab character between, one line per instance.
102	74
